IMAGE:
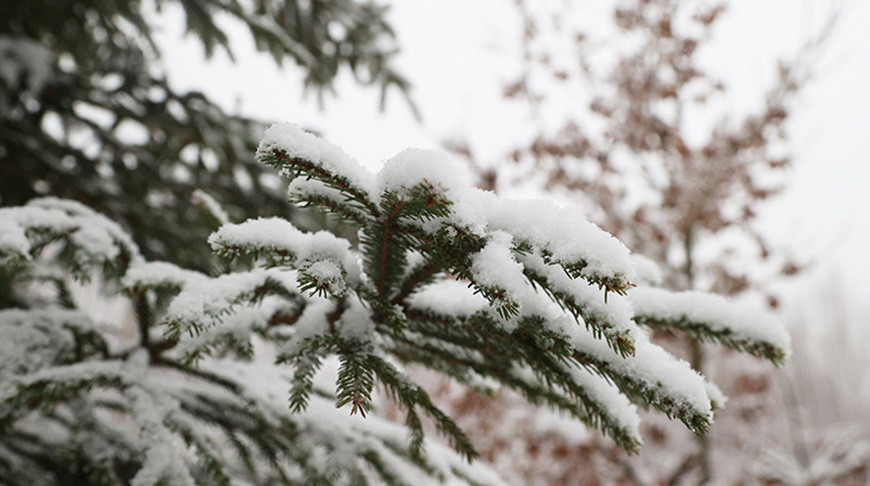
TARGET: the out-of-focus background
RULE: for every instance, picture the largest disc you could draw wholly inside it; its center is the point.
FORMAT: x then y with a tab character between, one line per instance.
634	111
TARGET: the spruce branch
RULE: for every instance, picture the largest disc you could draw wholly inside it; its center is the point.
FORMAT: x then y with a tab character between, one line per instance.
600	327
329	205
355	380
411	396
74	381
744	326
418	276
293	167
704	331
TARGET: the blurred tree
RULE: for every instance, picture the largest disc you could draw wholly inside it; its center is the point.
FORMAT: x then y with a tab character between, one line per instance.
85	114
653	151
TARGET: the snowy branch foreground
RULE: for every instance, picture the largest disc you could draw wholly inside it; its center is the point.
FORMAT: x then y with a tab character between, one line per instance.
485	290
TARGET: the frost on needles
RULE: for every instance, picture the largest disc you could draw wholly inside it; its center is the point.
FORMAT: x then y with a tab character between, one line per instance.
482	289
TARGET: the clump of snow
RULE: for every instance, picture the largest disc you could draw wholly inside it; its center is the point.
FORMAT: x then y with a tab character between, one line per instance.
612	317
201	303
95	240
31	339
658	372
13	240
30	216
25	65
648	271
300	189
745	319
495	266
279	235
450	297
104	235
413	166
143	275
298	143
565	233
214	208
356	322
96	243
717	398
328	275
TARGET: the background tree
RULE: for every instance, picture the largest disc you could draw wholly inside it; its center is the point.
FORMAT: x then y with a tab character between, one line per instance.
652	151
86	114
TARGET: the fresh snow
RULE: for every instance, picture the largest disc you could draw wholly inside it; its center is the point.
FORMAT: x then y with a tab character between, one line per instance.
204	302
213	207
413	166
279	235
661	373
143	275
13	240
298	143
96	239
616	313
31	338
495	267
451	297
648	271
743	319
564	232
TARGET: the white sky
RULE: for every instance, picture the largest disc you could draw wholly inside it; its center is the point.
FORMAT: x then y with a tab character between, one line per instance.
457	53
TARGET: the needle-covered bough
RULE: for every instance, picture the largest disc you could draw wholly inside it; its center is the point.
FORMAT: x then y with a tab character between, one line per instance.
525	293
109	403
482	289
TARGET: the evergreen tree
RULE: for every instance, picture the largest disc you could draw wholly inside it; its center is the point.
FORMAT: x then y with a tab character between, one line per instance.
86	114
92	403
523	294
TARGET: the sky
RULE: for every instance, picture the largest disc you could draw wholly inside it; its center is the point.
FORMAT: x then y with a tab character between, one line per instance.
458	53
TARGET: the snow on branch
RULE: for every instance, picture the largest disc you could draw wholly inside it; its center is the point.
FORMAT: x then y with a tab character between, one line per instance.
105	408
90	239
296	152
325	263
466	283
33	338
204	303
745	327
650	376
143	276
525	294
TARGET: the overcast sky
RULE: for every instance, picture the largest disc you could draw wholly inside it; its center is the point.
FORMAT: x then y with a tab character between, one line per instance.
457	53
